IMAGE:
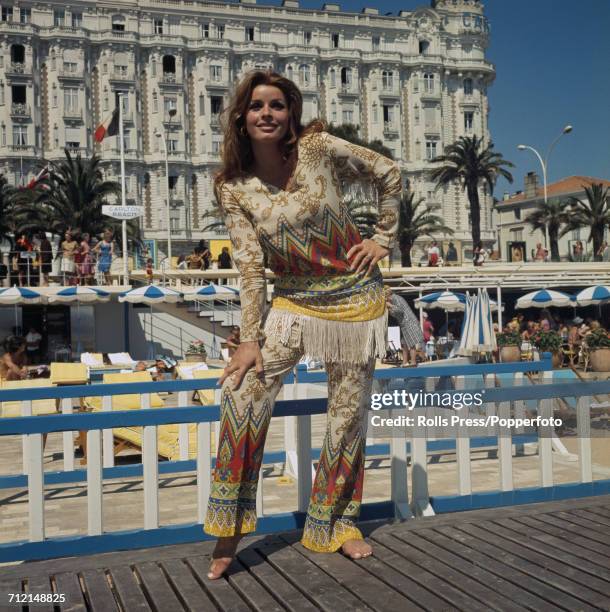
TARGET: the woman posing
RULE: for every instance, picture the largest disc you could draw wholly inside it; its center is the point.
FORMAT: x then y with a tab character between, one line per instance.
105	252
280	191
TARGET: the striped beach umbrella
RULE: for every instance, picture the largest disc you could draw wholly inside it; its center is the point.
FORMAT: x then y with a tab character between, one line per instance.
446	300
477	331
544	298
151	294
20	295
599	294
212	292
80	295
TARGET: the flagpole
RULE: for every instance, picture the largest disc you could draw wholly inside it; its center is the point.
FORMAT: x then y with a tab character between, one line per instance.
123	195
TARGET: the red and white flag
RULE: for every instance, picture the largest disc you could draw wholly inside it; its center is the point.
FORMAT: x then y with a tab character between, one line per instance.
41	176
109	127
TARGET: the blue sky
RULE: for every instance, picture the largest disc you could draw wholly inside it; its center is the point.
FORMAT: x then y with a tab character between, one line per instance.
552	61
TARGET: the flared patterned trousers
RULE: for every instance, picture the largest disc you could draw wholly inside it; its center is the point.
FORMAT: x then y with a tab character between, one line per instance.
245	413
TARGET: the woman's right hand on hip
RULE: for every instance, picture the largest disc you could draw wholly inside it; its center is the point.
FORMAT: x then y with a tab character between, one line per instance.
247	355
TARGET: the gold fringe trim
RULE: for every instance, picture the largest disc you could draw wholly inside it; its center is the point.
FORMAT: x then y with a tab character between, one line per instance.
331	341
341	533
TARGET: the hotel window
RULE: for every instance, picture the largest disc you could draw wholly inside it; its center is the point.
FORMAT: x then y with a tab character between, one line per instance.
468	87
20	136
174	220
25	15
348	116
77	20
205	30
388	115
304	74
333	78
387	79
3	135
216	73
249	34
430	116
59	17
215	147
517	214
429	82
54	96
346	77
201	104
290	72
158	26
71	99
1	92
416	115
169	102
333	111
155	104
220	32
424	47
376	43
172	145
468	121
375	113
70	67
118	25
430	149
334	40
307	37
216	105
7	13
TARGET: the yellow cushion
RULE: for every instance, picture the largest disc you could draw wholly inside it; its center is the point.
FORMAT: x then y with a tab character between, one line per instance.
43	406
69	374
126	402
206	396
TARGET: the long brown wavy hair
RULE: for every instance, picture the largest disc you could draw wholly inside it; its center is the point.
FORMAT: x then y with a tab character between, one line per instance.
237	156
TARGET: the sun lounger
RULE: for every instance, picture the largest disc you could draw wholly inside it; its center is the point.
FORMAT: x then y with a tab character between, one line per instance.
121	359
69	373
13	409
93	360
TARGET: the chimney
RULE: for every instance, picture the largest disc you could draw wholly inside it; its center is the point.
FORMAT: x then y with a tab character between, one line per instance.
531	185
506	196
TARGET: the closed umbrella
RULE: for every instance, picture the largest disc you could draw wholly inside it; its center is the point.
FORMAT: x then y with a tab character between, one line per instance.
544	298
79	294
477	334
20	295
151	294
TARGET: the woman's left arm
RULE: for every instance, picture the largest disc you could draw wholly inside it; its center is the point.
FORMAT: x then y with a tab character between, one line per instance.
354	161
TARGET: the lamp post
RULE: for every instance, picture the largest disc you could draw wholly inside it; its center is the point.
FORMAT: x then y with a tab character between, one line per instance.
545	164
172	113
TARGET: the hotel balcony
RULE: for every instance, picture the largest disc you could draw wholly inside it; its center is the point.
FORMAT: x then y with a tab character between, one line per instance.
170	79
122	76
70	74
390	129
348	90
21	111
18	69
73	114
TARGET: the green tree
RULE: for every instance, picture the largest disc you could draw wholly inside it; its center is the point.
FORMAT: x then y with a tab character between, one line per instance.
215	217
349	132
72	199
549	216
9	198
417	220
364	214
593	212
467	162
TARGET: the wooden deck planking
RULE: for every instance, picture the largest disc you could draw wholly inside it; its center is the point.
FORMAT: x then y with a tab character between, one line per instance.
543	556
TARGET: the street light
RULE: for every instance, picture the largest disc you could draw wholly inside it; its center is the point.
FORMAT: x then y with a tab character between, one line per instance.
172	113
545	164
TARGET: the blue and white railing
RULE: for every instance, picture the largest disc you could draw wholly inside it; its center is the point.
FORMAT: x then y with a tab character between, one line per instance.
403	501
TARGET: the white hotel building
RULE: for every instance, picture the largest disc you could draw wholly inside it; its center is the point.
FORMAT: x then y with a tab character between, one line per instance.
417	81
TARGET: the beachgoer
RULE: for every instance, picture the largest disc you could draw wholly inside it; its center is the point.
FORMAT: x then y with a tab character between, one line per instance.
14	360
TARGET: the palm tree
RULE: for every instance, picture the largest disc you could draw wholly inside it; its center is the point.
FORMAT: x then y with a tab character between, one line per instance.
364	214
349	132
550	215
8	203
416	221
73	199
216	218
593	213
467	162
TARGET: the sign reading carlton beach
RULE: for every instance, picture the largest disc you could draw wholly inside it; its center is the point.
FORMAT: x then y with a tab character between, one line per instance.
122	212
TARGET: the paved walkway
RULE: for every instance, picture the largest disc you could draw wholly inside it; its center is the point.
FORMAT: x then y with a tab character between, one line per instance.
551	556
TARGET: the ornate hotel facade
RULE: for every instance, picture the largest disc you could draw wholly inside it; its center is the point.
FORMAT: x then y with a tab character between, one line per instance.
417	81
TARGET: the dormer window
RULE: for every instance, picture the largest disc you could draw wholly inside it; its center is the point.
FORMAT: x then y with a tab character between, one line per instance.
424	47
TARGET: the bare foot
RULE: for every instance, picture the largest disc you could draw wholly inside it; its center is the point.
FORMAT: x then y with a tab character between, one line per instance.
223	554
356	549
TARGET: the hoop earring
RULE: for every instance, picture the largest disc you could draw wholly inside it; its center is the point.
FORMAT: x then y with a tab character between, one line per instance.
243	131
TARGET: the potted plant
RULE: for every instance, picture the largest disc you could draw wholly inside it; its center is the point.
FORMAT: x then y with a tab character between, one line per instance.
598	343
196	351
549	342
509	344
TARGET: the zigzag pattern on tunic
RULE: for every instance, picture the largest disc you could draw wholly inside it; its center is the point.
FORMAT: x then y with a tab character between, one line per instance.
313	249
